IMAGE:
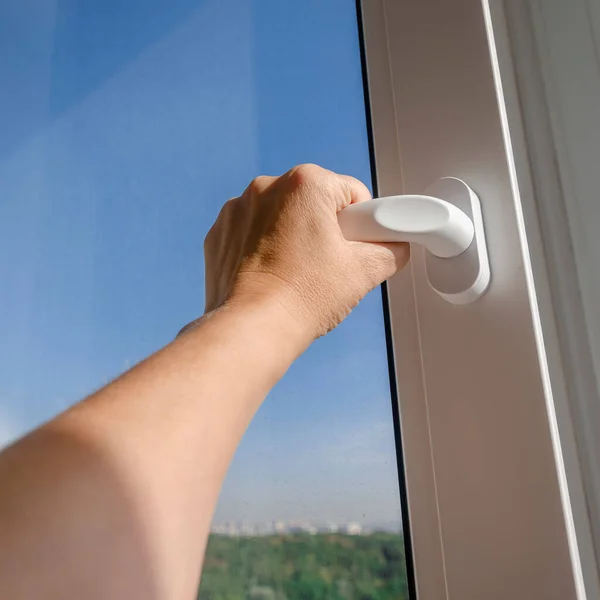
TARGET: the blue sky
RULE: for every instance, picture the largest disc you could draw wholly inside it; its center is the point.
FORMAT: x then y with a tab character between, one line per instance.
125	126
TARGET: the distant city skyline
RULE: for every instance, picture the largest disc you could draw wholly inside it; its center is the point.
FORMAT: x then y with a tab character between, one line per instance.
126	126
242	528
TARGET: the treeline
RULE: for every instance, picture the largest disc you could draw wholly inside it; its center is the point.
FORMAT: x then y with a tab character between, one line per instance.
305	567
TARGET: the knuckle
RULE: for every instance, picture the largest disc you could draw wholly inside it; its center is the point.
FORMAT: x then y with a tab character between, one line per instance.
227	208
229	211
208	239
307	173
259	184
225	215
229	205
357	185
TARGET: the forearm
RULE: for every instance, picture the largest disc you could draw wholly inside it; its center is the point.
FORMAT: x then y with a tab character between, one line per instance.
152	449
114	498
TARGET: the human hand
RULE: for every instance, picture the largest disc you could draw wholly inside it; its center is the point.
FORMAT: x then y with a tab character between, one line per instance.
280	242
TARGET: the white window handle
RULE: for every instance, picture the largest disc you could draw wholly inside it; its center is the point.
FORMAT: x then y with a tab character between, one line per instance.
447	221
441	227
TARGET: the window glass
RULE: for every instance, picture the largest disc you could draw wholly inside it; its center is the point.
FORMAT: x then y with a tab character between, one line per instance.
125	126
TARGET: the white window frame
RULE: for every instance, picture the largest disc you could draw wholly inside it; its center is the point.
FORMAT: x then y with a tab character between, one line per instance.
498	400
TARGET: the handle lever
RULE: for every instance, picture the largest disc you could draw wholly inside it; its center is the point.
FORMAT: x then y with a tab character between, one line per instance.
439	226
448	223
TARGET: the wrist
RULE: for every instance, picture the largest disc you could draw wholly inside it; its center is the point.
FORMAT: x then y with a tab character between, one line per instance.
261	321
281	300
271	316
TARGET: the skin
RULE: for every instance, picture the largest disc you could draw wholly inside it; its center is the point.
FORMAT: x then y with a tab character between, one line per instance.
114	498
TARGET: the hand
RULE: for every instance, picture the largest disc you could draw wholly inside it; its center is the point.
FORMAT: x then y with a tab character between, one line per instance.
280	242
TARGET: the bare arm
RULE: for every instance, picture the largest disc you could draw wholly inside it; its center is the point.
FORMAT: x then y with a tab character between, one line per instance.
114	498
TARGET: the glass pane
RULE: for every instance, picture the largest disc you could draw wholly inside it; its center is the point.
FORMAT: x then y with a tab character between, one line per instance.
125	126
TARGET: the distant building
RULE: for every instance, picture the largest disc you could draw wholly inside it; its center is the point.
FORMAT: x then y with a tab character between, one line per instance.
280	527
327	528
302	528
218	529
353	528
231	529
267	528
247	529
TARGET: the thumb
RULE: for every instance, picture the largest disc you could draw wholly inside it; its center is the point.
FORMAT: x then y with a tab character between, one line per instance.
381	260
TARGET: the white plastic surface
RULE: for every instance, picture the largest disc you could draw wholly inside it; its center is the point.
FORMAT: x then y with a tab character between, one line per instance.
434	223
448	223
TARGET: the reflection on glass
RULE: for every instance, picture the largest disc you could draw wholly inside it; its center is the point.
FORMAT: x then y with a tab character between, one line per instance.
125	126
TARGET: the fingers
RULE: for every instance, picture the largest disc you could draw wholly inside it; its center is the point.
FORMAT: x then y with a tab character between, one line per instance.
353	190
340	190
381	260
